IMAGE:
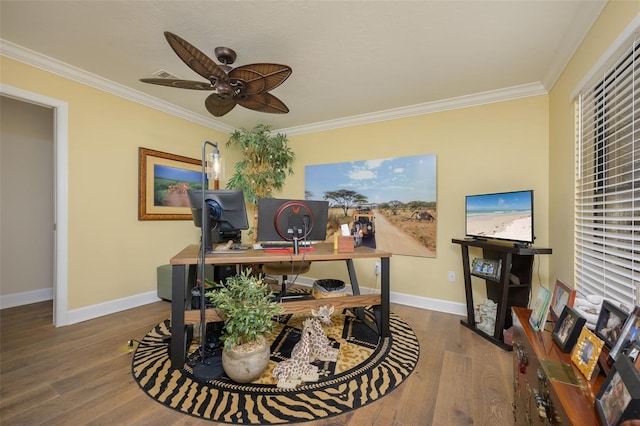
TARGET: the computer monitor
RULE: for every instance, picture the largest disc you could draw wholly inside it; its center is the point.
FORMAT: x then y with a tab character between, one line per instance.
286	220
225	212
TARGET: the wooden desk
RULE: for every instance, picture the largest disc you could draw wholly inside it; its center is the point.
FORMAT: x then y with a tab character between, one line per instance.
190	256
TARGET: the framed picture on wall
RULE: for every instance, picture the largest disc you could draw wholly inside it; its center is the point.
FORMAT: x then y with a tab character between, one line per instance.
562	296
163	181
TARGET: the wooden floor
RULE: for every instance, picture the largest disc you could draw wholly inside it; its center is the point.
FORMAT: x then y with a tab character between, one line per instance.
76	375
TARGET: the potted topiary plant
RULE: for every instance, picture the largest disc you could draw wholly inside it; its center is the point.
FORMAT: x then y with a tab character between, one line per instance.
267	161
247	305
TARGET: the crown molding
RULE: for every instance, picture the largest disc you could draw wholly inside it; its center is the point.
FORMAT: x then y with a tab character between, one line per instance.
29	57
624	41
500	95
587	14
46	63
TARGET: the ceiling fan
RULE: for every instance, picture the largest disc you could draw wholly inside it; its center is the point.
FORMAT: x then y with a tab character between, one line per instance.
247	85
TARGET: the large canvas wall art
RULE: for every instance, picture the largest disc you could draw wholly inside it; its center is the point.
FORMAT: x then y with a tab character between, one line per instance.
390	202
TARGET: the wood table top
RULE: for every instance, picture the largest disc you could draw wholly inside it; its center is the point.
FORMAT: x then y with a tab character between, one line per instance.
323	252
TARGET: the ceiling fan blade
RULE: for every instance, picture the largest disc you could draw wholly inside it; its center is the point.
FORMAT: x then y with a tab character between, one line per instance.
218	106
260	78
195	59
180	84
263	102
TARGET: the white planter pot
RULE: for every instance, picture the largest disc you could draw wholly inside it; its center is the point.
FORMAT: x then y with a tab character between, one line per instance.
246	366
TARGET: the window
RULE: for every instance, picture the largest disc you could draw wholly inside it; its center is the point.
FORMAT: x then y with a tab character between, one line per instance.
607	199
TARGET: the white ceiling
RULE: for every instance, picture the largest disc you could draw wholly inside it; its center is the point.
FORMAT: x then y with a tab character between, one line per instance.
352	61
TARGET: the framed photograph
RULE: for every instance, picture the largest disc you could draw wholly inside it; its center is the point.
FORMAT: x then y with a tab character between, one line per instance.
610	322
567	329
562	296
163	181
487	268
634	353
540	309
619	397
586	352
628	336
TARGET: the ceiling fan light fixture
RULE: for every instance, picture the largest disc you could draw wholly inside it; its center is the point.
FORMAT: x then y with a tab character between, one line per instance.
247	85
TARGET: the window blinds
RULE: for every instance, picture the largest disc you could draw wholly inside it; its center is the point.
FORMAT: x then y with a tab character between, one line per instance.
607	199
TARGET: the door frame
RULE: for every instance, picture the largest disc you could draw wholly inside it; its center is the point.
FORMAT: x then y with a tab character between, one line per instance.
61	196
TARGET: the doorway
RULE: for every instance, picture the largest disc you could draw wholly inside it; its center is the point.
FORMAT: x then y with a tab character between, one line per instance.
59	116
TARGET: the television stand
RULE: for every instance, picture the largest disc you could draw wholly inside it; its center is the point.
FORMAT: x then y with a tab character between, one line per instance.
511	288
522	245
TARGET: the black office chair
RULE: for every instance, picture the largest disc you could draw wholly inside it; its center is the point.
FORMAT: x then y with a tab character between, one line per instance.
284	269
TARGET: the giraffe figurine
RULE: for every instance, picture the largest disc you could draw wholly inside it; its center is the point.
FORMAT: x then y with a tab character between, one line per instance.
293	371
321	348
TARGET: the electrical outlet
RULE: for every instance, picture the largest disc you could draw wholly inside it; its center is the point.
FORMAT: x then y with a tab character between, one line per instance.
377	268
452	276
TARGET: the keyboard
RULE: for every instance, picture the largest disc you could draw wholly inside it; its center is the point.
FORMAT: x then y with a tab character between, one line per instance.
282	245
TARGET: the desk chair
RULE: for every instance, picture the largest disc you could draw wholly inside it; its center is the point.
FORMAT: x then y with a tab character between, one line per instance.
284	269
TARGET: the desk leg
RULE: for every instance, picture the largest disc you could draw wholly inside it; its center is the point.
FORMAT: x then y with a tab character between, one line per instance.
178	338
355	288
385	298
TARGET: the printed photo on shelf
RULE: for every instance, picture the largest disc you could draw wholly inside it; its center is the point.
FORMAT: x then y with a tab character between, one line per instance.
540	309
487	268
610	322
634	353
567	329
586	352
562	296
628	336
619	397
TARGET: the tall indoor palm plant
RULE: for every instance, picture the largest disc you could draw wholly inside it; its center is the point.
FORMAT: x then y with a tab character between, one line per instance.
267	161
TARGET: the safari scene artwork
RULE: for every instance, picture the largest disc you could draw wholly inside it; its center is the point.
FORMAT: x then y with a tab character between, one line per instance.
390	203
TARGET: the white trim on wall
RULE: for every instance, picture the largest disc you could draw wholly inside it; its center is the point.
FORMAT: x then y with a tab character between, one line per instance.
620	43
61	213
112	306
38	60
26	298
95	311
29	57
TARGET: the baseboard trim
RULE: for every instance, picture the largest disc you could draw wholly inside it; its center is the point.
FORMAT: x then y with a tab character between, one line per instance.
446	306
26	298
95	311
111	307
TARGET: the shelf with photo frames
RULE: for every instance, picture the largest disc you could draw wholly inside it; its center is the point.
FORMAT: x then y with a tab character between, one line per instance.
507	270
562	371
548	387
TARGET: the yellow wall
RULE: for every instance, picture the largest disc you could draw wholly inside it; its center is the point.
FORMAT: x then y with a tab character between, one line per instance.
520	144
111	254
495	147
489	148
612	21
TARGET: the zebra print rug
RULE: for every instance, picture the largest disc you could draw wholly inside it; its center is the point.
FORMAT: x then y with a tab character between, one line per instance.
367	369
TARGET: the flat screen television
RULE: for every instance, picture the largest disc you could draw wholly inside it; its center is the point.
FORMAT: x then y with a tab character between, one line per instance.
225	212
500	216
283	220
